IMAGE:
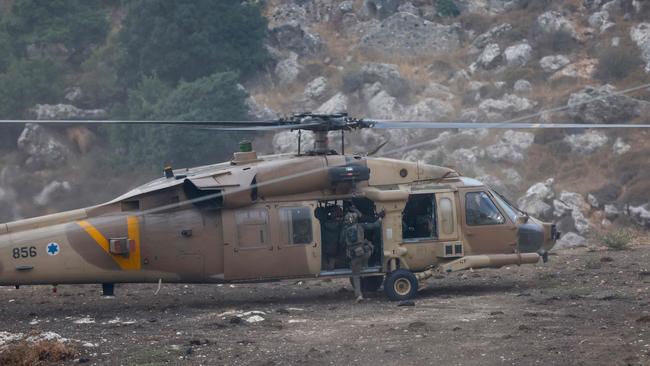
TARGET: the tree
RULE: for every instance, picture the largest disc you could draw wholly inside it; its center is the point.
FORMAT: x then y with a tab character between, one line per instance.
213	97
188	39
75	23
28	82
447	8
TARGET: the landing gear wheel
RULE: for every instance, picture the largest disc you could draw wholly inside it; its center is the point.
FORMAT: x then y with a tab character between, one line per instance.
401	285
370	284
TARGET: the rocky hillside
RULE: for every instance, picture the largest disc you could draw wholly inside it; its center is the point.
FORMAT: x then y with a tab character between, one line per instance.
440	60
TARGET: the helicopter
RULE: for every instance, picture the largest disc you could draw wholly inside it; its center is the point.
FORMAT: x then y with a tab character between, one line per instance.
267	218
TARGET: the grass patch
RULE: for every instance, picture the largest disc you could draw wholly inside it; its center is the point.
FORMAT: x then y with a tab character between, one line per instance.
619	239
25	353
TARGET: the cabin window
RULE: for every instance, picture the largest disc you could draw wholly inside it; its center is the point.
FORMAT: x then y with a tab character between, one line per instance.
480	210
252	228
446	216
295	225
419	217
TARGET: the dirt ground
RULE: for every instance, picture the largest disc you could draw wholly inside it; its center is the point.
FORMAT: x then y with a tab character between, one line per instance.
582	308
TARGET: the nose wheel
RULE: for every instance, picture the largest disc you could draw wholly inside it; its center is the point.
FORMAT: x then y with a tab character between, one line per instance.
401	285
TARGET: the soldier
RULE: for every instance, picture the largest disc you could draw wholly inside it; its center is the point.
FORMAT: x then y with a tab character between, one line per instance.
358	248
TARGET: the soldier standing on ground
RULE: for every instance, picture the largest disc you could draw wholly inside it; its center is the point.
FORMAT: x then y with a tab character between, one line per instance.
358	248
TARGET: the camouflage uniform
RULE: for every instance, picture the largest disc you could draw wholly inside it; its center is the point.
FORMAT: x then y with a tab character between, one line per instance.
358	249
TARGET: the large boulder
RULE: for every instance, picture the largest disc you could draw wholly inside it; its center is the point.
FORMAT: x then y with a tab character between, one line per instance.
66	112
640	34
336	104
570	240
316	88
569	208
600	20
640	214
508	105
486	7
586	143
511	147
405	33
582	69
490	57
607	194
431	109
386	74
292	36
42	148
552	22
600	105
535	200
518	55
553	63
287	70
491	35
383	105
259	111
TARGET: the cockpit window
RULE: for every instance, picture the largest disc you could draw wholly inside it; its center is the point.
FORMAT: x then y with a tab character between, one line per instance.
507	207
480	210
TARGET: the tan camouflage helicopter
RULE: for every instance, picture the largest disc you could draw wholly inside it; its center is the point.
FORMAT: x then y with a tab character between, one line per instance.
265	218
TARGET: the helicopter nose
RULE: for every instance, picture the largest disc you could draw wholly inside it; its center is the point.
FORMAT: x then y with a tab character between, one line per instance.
530	237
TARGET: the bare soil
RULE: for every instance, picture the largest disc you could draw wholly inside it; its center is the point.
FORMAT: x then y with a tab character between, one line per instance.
581	308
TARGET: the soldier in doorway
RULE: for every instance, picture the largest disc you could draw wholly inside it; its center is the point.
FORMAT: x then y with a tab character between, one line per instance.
358	249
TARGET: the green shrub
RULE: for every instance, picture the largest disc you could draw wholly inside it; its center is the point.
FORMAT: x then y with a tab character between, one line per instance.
215	97
616	63
555	42
29	82
447	8
619	239
75	23
188	39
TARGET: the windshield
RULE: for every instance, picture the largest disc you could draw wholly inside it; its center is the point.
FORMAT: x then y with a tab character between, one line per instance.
510	210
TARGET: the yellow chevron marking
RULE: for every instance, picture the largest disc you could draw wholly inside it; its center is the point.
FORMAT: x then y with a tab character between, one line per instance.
130	263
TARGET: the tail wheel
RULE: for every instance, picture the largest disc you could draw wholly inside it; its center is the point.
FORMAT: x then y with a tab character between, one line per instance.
370	284
401	285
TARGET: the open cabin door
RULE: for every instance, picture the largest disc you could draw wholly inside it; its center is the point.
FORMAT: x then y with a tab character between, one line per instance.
271	241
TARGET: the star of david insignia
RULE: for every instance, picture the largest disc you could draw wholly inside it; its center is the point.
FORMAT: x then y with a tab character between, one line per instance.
53	249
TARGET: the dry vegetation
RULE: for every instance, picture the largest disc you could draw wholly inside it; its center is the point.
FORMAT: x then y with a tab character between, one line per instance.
25	353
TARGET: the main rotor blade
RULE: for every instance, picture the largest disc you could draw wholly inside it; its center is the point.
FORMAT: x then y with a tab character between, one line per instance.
264	128
492	125
141	122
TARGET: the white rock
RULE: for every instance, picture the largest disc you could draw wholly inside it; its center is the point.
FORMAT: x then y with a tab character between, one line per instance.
43	148
287	70
640	34
490	56
336	104
66	112
620	147
384	106
553	63
511	147
316	88
404	33
598	19
587	142
508	104
522	86
611	212
493	33
512	176
439	91
518	55
553	22
583	69
429	109
593	201
570	240
640	214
